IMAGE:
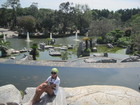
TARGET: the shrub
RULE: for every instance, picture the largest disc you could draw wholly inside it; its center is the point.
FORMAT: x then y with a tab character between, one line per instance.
100	40
123	42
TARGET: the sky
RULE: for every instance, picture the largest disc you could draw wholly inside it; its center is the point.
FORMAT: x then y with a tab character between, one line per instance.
93	4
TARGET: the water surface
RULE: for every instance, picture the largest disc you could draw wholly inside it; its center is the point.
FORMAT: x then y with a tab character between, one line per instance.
19	44
23	76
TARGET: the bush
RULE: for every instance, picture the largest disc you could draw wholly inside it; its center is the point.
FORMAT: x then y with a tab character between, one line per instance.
110	38
86	52
113	36
123	42
1	35
100	40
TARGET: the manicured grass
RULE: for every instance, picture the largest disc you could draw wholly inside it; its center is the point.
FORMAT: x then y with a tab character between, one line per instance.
104	48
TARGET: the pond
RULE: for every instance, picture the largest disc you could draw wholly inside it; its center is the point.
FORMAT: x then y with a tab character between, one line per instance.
23	76
19	44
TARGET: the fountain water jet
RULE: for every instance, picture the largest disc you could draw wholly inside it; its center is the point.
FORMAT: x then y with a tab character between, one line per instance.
28	38
76	36
4	38
50	35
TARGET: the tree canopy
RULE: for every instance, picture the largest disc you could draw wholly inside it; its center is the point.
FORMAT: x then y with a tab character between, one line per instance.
70	18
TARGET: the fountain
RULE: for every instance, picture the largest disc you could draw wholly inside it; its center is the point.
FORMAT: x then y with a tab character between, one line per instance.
28	38
4	38
76	34
50	35
87	34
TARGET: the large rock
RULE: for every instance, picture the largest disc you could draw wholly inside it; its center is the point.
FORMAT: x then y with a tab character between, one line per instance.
132	59
110	45
107	60
102	95
60	99
102	60
86	95
10	95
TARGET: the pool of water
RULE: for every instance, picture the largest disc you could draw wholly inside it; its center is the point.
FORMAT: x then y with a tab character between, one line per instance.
19	44
23	76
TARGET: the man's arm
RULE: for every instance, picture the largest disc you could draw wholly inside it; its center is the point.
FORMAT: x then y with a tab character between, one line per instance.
52	86
56	83
43	85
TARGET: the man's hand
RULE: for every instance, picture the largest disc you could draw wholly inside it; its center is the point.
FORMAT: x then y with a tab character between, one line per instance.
43	85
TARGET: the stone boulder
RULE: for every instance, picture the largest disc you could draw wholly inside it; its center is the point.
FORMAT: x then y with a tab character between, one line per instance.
109	45
132	59
100	54
105	60
109	60
85	95
102	95
94	49
60	99
10	95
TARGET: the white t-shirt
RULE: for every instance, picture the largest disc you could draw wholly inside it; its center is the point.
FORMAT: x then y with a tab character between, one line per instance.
56	81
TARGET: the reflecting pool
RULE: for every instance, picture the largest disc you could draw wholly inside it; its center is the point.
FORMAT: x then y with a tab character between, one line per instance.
19	44
23	76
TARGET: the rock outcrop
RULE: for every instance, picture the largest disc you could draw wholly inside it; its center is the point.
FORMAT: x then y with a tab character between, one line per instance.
105	60
60	99
85	95
102	95
132	59
10	95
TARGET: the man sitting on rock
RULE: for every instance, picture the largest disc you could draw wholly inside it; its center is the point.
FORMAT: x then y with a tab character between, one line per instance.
50	86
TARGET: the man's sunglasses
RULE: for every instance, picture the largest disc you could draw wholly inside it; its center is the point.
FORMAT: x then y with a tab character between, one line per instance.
53	72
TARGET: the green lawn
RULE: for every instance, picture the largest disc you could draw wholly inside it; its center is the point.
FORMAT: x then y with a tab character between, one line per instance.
104	48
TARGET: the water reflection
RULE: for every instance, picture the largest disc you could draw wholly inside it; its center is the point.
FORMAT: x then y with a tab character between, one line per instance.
28	45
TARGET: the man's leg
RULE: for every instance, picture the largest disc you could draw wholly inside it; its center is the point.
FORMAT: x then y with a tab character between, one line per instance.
37	95
49	90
